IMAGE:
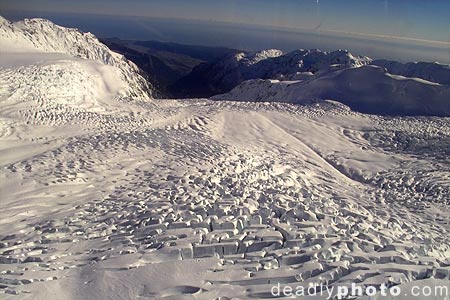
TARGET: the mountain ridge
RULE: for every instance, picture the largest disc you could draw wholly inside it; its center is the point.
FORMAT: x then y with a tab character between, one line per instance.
229	71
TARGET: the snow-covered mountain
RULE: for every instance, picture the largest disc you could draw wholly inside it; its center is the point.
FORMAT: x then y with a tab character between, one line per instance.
369	89
226	73
379	87
70	51
304	76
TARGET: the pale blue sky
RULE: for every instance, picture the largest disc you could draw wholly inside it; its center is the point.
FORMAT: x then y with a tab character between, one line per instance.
404	30
421	19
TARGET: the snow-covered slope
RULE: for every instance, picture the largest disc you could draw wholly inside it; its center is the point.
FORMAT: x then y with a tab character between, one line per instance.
222	200
43	36
434	72
369	89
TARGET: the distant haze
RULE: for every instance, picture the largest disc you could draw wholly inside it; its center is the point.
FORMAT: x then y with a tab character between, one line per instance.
411	30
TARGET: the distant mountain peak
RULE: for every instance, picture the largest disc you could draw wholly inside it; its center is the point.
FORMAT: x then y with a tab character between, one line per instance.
251	58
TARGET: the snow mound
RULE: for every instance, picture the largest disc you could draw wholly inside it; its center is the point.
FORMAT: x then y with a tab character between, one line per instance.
92	85
40	35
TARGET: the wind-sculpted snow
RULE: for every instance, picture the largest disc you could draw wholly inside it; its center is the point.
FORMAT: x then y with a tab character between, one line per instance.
219	199
368	89
40	35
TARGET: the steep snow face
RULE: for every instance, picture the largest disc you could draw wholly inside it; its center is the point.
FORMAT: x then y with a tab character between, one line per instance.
368	89
39	35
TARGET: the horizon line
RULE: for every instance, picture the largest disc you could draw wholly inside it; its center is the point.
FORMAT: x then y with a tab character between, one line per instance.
286	28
